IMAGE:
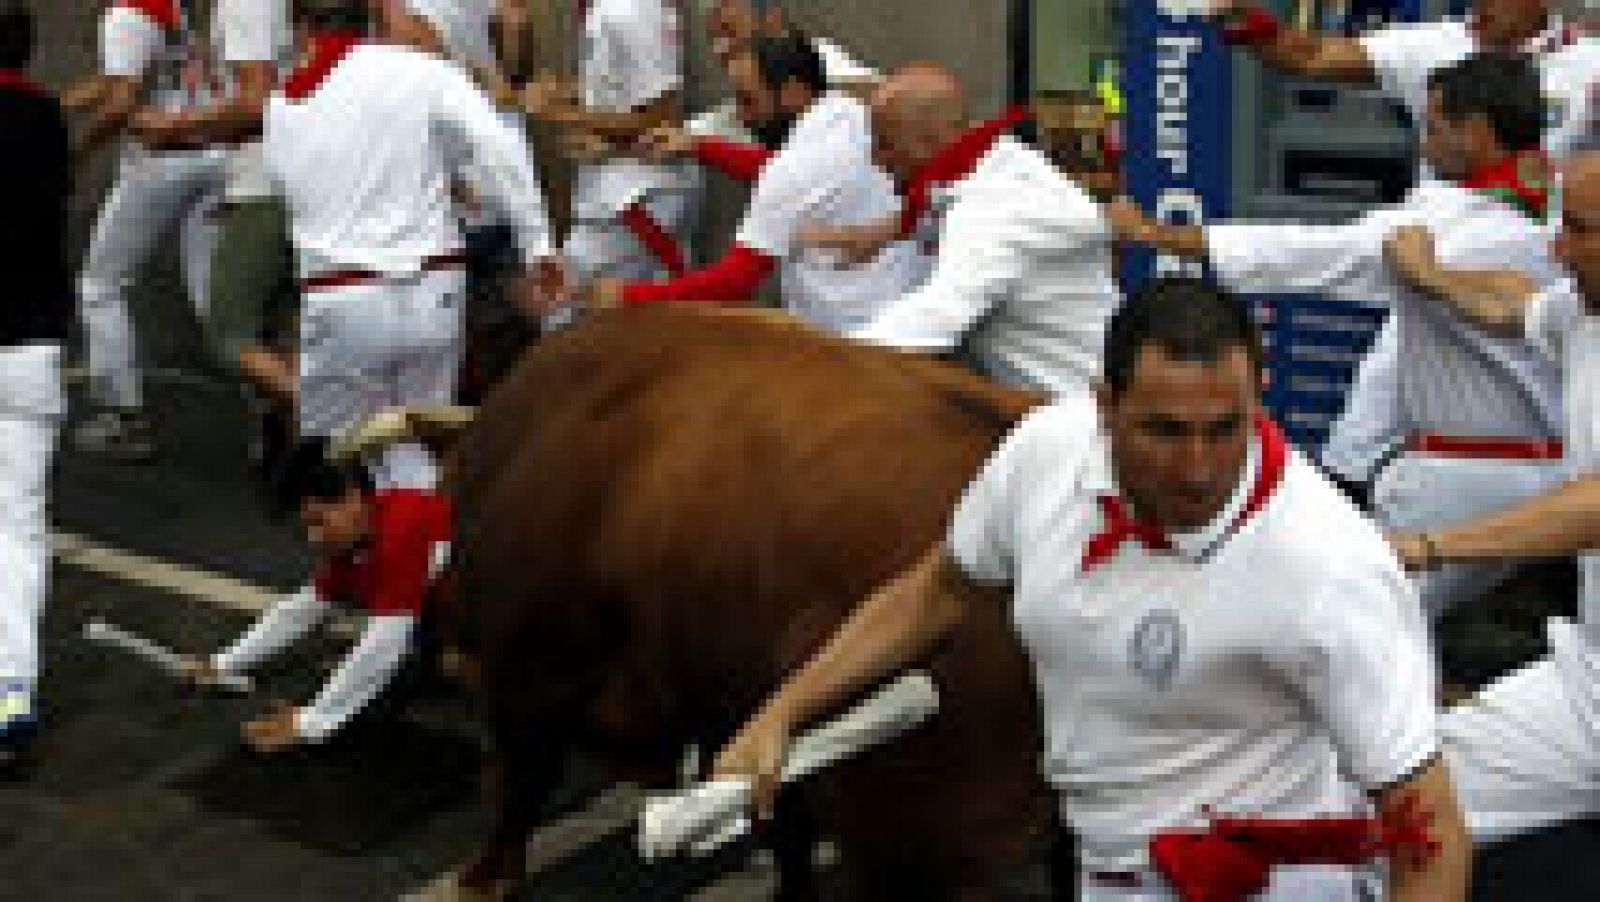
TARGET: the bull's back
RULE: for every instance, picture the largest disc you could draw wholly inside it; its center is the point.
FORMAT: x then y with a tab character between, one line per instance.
694	502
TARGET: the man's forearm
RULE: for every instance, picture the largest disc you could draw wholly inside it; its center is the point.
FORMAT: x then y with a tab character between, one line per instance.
901	623
618	125
1296	51
1476	295
1563	522
1444	876
1181	240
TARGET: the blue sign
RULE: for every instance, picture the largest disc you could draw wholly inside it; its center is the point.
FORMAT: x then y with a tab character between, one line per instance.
1178	122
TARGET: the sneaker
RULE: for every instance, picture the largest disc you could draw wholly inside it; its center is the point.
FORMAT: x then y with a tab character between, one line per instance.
120	435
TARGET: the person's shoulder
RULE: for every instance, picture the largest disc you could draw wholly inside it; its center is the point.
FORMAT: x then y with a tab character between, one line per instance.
411	511
1314	533
1069	425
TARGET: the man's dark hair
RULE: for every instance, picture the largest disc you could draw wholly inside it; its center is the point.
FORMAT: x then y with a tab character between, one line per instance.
309	473
334	15
789	56
16	34
1188	318
1503	88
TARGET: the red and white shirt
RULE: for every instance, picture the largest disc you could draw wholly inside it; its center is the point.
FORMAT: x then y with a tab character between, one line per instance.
1275	663
389	578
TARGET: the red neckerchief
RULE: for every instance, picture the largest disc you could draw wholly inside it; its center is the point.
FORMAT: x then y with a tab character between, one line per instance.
1522	180
18	80
165	13
1558	34
328	48
1119	526
954	162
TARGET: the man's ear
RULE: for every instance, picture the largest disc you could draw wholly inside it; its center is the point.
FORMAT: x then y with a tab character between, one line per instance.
793	96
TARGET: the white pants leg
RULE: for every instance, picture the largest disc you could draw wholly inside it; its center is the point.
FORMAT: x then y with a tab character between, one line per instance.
197	247
31	407
1422	492
369	347
151	196
1291	884
1369	429
1525	752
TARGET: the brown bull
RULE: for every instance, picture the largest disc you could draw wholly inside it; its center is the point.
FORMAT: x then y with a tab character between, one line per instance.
662	512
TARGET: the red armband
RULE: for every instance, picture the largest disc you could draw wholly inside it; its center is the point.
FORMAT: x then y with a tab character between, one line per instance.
743	162
733	278
1254	27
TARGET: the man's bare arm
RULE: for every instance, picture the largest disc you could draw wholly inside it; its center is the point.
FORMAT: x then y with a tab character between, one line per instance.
554	103
1445	875
511	29
1129	223
903	622
1497	300
234	120
117	104
1559	523
83	94
1311	54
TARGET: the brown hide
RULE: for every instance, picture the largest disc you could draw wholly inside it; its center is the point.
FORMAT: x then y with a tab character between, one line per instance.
663	511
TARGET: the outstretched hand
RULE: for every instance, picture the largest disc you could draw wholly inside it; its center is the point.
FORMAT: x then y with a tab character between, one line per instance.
757	756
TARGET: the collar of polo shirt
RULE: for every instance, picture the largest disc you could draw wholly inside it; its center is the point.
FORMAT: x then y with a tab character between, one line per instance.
1197	545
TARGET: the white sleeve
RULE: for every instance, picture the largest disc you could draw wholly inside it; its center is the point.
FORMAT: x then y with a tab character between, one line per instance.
129	42
1342	261
252	30
1359	653
1040	451
497	161
651	50
364	673
274	631
1553	315
795	189
982	254
1402	55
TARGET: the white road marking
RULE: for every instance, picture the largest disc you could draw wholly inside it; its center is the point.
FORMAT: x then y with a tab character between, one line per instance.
154	573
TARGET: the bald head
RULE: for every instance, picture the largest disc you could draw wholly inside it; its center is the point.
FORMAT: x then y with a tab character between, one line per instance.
1578	245
917	110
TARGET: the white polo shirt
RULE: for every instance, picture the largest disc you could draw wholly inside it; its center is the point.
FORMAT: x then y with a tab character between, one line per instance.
1558	323
1405	54
364	163
632	54
252	31
1276	665
1023	278
824	176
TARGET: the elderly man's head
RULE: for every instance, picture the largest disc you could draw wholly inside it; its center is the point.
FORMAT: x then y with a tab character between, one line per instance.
915	112
1578	244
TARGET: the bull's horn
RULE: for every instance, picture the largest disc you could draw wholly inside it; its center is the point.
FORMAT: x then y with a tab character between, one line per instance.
400	424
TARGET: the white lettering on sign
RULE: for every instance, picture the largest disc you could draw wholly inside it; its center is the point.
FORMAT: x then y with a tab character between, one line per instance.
1180	206
1172	100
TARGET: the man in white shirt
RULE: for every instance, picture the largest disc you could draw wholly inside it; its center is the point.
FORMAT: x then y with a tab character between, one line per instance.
1022	278
1479	410
149	58
1526	751
253	261
1213	628
821	173
362	141
1398	59
630	217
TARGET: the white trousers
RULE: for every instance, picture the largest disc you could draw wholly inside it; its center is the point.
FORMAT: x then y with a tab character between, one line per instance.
1525	752
1289	884
153	193
31	408
1369	428
607	249
1423	492
368	347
